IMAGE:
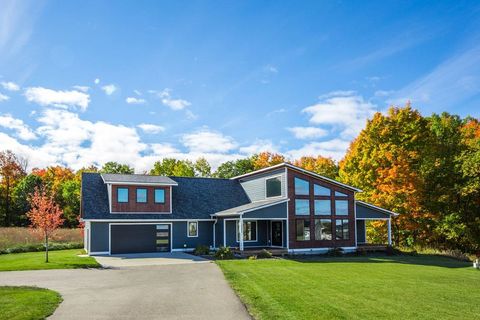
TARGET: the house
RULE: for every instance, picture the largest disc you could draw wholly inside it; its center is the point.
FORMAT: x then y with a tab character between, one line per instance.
282	206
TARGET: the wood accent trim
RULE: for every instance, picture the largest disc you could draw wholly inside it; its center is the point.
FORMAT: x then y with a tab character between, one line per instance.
312	243
133	206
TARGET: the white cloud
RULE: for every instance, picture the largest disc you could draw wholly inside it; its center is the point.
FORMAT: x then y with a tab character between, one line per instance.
151	128
308	132
174	104
138	93
342	110
10	86
3	97
96	81
62	99
81	88
109	89
21	129
206	140
334	148
133	100
258	146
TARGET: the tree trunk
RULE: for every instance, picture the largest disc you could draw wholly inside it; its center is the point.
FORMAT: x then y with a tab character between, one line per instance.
7	202
46	248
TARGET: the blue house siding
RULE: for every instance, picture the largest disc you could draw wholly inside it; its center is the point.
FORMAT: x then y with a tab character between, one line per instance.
182	241
99	236
262	234
219	233
361	231
277	211
365	212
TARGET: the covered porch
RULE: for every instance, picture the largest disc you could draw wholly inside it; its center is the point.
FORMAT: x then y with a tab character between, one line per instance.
253	226
367	212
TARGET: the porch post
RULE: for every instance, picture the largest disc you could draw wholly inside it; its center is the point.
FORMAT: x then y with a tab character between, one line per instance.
389	231
240	230
224	234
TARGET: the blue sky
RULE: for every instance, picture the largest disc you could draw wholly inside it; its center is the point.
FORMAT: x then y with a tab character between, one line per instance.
85	82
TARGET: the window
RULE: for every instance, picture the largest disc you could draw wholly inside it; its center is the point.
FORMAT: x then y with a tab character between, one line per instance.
301	187
341	207
122	195
249	231
302	207
341	229
323	207
142	195
320	190
323	229
192	229
159	195
274	187
340	194
303	230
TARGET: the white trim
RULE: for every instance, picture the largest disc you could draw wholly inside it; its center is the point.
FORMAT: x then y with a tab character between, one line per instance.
188	230
389	230
236	213
126	212
225	233
291	166
354	219
373	218
110	232
109	191
239	225
245	220
171	203
271	233
390	213
129	183
98	253
183	250
318	250
273	177
288	213
214	234
89	236
145	220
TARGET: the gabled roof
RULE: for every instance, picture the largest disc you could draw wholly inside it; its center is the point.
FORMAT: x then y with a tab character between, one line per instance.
250	207
381	210
143	179
192	198
291	166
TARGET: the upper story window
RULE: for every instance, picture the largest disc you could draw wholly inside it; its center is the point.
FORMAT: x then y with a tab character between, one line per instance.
122	195
322	207
273	187
159	195
141	195
341	207
301	187
320	190
340	194
302	207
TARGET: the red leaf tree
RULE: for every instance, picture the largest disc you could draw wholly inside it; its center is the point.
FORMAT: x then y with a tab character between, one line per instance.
45	215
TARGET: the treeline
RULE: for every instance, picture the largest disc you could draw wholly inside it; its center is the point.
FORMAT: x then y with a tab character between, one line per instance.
425	168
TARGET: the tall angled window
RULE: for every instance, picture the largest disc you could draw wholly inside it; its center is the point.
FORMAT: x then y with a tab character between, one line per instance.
319	190
274	187
122	195
302	187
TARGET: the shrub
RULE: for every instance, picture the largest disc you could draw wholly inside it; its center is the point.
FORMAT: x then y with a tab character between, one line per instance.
224	253
201	250
13	237
252	257
264	254
41	247
335	252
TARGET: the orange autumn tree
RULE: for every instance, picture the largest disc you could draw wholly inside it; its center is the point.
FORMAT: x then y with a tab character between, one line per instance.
266	159
45	215
321	165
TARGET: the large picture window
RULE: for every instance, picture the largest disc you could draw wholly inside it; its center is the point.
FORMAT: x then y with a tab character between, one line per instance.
323	207
192	229
274	187
323	229
302	207
303	230
122	195
301	187
141	195
320	190
249	231
341	229
341	207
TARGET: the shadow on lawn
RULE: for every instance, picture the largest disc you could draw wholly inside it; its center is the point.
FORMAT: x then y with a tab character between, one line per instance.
419	259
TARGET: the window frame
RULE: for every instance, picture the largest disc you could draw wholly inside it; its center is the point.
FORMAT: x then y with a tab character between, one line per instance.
136	195
348	207
322	214
343	230
270	178
128	194
331	228
321	195
155	198
188	228
303	230
309	209
295	187
237	230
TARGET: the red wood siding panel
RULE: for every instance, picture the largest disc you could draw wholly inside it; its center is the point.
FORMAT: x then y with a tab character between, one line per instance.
133	206
312	243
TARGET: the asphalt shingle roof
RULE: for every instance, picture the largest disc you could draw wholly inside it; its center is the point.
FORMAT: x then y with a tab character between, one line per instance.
193	198
250	206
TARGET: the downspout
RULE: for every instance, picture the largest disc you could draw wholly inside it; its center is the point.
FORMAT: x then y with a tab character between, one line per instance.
214	232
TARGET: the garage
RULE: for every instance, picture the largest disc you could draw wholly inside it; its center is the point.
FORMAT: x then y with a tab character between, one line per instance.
139	238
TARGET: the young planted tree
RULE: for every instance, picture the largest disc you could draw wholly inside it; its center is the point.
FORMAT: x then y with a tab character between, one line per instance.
45	215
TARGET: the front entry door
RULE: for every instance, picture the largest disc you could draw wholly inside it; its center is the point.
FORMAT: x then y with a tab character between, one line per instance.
277	233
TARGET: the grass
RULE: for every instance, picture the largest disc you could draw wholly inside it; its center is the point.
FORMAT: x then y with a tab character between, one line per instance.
14	237
19	303
62	259
399	287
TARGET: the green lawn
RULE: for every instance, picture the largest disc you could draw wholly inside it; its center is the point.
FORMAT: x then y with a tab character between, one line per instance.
29	303
400	287
61	259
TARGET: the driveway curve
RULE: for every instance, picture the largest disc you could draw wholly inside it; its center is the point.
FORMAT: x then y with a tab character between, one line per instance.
179	291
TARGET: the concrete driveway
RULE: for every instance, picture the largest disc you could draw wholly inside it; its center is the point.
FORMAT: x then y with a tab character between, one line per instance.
148	259
169	291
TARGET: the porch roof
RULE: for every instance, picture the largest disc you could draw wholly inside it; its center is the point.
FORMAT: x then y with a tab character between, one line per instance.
369	211
252	206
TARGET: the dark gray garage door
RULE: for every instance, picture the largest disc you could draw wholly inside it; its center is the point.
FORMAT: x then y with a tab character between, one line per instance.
139	238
